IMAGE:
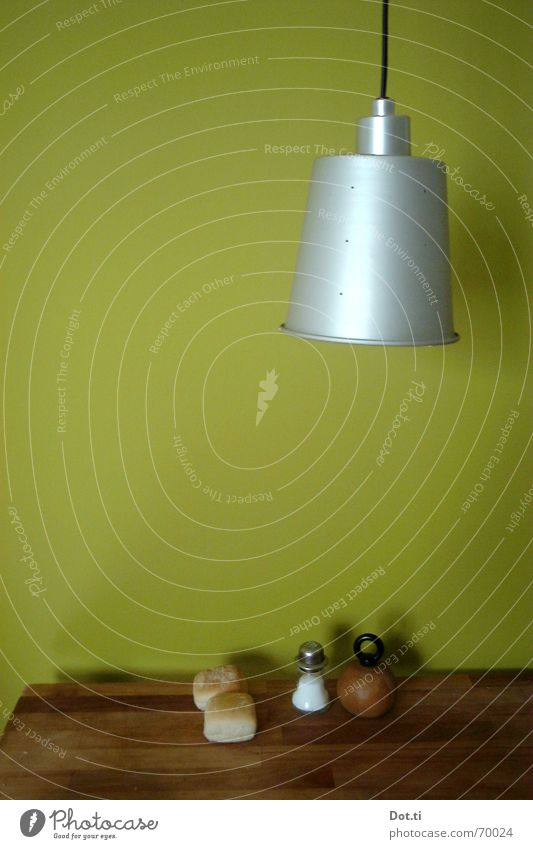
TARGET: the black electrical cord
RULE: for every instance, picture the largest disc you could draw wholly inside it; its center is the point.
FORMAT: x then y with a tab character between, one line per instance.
384	48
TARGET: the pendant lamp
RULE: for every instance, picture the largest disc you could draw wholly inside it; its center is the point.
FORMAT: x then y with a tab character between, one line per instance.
373	266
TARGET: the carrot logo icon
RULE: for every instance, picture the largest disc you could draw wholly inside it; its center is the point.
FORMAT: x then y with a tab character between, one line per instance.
268	388
32	822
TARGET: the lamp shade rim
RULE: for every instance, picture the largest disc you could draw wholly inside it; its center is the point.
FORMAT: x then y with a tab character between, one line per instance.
377	157
401	343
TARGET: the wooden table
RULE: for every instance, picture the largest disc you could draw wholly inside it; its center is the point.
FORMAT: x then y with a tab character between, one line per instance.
448	737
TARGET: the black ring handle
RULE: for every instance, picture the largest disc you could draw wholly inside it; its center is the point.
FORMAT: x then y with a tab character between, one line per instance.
366	658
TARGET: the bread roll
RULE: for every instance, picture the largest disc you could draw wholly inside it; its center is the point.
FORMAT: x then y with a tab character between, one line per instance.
211	682
230	718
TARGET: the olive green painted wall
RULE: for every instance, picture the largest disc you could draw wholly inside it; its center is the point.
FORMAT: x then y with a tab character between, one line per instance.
152	554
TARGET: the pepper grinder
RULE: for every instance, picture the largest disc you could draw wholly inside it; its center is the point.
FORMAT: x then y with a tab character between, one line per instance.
364	689
311	695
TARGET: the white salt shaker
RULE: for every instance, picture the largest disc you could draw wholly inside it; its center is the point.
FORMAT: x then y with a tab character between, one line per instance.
311	695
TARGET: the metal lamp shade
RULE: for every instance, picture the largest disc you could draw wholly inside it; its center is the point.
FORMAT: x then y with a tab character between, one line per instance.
373	265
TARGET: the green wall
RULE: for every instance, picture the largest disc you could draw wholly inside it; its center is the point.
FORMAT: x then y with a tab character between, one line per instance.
150	553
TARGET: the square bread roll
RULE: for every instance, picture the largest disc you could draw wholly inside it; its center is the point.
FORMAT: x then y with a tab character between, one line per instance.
230	718
211	682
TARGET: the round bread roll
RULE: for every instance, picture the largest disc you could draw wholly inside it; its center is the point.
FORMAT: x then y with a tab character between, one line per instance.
211	682
230	718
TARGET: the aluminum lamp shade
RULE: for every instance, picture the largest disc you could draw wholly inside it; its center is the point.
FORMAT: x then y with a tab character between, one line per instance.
373	266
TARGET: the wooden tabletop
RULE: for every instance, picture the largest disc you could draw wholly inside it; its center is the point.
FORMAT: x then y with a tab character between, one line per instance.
448	737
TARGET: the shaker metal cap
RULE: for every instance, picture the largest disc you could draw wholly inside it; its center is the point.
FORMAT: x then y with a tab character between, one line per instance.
311	657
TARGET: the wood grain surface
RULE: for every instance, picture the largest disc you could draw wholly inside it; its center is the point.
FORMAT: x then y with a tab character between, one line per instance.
448	737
